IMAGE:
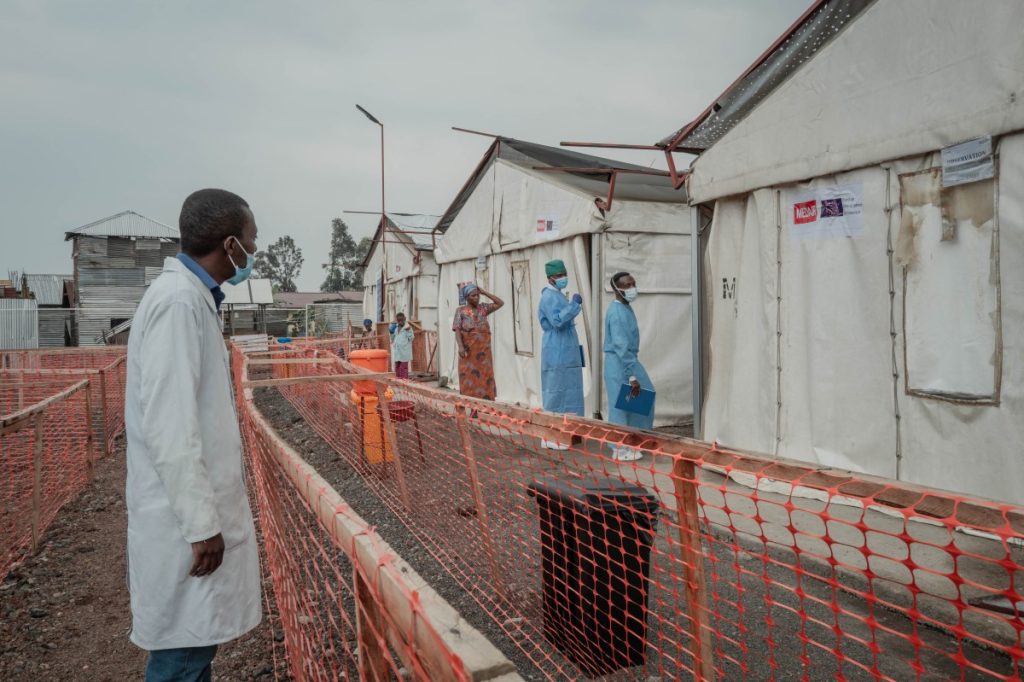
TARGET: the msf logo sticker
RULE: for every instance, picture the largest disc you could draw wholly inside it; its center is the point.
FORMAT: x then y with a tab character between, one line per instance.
805	212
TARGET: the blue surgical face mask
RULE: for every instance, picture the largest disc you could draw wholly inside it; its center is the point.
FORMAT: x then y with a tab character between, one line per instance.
629	294
561	282
242	274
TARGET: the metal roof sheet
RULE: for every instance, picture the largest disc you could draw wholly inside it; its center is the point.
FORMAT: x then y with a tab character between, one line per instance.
822	22
48	289
125	224
304	298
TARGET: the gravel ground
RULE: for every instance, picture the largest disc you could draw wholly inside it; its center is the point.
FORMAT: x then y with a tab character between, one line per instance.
64	612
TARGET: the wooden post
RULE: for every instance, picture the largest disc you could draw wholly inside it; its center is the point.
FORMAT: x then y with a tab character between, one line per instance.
37	479
103	412
684	478
90	451
373	660
478	498
391	437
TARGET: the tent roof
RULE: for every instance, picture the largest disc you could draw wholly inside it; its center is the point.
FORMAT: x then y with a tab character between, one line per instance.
125	224
821	23
641	186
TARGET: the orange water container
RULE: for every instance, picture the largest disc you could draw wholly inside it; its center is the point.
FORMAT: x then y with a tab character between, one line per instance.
376	446
373	359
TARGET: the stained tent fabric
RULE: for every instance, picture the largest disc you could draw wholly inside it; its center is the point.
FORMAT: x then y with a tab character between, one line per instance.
888	341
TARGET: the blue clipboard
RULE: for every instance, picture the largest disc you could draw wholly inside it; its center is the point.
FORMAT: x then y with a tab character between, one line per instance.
642	404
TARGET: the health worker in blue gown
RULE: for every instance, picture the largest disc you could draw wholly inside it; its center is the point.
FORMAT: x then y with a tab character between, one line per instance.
561	359
621	361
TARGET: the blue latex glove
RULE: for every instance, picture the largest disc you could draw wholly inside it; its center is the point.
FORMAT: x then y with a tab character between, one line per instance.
576	298
392	327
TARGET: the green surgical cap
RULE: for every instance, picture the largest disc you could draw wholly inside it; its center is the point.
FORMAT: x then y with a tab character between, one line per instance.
554	267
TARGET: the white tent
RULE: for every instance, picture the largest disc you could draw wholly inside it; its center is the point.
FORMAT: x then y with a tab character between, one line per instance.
511	217
865	311
402	259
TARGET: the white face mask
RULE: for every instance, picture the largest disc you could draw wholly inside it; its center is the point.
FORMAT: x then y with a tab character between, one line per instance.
629	294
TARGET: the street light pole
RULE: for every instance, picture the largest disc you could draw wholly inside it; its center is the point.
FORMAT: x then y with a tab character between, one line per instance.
383	214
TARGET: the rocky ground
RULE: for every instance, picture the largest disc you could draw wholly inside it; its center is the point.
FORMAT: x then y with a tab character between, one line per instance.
64	612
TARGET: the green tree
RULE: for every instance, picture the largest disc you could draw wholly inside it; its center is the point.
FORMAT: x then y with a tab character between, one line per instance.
280	263
362	249
344	269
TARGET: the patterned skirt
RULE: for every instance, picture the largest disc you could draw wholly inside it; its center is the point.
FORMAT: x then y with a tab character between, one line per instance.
476	370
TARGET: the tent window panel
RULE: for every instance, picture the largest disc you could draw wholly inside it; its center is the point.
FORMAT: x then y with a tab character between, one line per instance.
948	247
522	307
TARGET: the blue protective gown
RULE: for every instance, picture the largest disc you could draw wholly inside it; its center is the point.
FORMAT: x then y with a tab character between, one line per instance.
621	347
561	364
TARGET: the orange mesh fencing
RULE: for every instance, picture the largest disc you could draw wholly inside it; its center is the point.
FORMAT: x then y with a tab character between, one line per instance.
105	367
61	358
46	456
59	410
349	608
694	562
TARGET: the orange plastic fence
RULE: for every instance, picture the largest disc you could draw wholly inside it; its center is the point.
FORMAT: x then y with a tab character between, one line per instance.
695	562
349	608
56	417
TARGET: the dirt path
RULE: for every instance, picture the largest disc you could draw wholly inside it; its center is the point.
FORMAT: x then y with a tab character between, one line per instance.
64	613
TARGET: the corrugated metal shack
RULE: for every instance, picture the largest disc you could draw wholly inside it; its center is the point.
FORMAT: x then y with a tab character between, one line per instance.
55	316
328	312
115	259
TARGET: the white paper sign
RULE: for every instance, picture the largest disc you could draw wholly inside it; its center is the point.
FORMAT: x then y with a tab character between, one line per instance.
968	161
547	226
826	212
481	262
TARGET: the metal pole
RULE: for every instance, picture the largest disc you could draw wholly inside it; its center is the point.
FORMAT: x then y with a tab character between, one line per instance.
596	342
383	220
696	296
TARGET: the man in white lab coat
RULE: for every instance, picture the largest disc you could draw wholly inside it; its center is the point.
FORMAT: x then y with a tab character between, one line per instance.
193	566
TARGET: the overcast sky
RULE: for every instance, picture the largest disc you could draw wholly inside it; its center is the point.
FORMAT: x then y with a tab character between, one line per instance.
108	106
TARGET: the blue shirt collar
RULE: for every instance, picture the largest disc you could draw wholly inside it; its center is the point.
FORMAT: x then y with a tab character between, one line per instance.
204	277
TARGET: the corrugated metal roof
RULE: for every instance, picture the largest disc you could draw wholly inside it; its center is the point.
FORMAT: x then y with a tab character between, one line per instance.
49	289
299	299
125	224
822	22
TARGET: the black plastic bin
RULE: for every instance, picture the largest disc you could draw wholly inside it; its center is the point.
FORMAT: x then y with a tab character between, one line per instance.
596	537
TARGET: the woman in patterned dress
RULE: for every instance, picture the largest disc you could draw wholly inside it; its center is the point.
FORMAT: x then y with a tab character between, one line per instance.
473	339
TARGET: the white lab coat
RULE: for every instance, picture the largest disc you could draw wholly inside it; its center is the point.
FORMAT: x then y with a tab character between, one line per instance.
185	480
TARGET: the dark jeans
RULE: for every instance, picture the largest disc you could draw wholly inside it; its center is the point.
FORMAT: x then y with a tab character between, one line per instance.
193	664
